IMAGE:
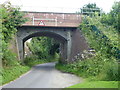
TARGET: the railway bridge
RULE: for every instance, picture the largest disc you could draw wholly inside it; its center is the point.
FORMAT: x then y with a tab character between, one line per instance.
60	26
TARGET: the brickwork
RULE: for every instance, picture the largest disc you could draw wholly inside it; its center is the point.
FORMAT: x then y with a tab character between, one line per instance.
53	19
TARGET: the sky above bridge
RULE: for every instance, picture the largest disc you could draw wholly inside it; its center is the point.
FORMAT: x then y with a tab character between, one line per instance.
59	5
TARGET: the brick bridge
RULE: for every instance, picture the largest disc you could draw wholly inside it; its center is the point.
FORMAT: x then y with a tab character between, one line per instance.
60	26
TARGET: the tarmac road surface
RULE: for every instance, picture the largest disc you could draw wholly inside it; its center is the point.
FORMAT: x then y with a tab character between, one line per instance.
44	76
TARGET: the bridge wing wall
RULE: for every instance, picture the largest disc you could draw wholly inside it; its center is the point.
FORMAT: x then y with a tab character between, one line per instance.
53	19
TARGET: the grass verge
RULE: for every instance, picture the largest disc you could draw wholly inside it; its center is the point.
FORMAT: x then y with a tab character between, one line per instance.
99	80
96	84
11	73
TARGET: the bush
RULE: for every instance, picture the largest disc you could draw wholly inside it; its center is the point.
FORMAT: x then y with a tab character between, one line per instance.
95	68
104	65
34	59
9	58
110	70
11	18
11	73
43	47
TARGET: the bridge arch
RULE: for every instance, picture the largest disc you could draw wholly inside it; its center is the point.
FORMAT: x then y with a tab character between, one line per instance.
62	40
72	42
54	35
24	34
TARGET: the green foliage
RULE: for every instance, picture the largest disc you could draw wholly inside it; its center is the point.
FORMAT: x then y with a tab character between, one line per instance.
43	50
101	37
96	84
110	71
11	18
11	73
9	58
43	47
104	39
90	9
34	60
112	18
95	68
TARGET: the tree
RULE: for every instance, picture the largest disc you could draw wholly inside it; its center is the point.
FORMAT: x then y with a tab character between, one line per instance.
90	9
112	18
43	47
11	18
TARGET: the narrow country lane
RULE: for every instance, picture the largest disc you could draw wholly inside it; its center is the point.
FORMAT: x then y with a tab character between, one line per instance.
44	76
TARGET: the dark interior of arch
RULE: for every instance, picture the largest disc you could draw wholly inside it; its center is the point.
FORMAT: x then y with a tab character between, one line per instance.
47	34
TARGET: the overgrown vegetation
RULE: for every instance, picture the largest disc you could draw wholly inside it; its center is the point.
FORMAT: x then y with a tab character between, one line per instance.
11	18
13	72
34	60
43	49
103	37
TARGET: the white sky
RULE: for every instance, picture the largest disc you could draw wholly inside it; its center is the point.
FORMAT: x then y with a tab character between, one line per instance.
59	5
